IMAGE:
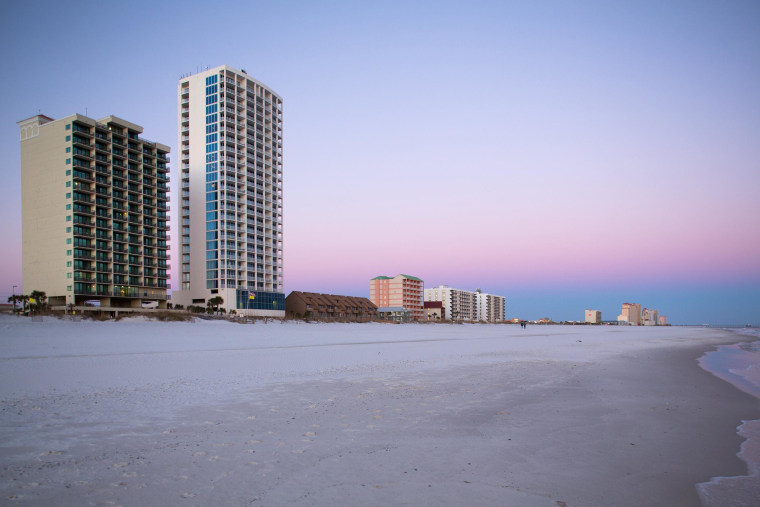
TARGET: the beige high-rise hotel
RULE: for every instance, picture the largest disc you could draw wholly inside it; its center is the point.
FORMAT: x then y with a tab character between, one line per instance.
94	211
230	229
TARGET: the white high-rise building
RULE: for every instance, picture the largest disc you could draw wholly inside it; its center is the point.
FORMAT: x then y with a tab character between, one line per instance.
230	224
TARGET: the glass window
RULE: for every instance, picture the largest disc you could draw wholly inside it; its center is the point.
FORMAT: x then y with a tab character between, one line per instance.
68	218
68	149
68	127
68	241
68	161
68	138
68	172
68	275
68	252
68	183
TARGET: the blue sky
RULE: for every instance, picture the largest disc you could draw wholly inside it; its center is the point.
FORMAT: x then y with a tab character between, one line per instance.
566	155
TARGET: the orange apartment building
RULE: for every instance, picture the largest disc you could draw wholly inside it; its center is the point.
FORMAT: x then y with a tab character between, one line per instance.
400	291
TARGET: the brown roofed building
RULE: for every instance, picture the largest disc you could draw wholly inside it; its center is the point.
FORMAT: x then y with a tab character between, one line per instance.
434	310
329	307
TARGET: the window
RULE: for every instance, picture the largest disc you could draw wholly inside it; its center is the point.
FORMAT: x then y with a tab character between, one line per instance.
68	149
68	252
68	161
68	275
68	241
68	138
68	218
68	183
68	196
68	127
68	172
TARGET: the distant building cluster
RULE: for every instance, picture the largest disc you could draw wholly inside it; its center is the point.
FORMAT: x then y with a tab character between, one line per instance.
446	303
633	314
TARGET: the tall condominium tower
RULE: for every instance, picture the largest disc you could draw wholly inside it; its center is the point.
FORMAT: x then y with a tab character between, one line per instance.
94	211
230	138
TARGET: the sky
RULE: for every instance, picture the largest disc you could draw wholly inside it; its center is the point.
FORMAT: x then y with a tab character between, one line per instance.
565	155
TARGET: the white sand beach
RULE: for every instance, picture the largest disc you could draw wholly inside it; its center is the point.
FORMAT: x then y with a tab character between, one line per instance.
218	413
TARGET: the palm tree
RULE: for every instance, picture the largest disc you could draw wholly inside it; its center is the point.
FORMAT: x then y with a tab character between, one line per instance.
39	299
215	302
16	298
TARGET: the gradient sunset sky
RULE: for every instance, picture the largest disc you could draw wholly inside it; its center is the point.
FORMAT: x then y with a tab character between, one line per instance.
565	155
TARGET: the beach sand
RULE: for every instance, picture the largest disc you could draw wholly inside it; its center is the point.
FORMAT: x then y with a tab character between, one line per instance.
215	414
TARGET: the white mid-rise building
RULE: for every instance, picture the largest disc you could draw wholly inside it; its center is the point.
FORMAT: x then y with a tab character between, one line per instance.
463	305
230	230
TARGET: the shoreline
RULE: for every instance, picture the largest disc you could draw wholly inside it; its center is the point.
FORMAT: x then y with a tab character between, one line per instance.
313	415
738	365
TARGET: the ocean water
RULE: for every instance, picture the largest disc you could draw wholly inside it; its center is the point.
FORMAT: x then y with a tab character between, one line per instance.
738	364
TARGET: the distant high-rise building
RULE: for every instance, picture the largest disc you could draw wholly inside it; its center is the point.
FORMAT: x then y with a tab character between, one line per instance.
593	316
631	314
649	317
467	305
230	138
401	291
491	308
94	211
